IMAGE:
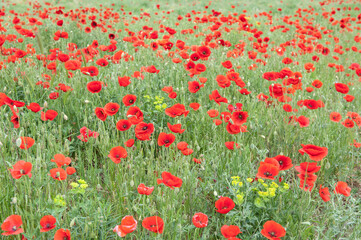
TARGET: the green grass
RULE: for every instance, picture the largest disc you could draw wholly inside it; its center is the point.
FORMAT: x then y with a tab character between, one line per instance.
112	192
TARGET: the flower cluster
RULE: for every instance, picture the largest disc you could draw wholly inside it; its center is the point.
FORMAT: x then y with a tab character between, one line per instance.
157	101
79	187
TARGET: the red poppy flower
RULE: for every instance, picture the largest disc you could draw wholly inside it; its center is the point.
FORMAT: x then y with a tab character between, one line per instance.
47	223
100	113
187	151
165	139
335	117
213	113
127	225
94	86
230	231
341	88
342	188
182	146
167	89
234	129
21	168
224	205
315	153
72	65
54	95
62	234
194	86
227	64
287	108
284	162
273	231
129	100
317	83
203	51
176	128
111	108
172	95
230	145
129	143
215	96
123	125
176	110
26	142
348	123
153	224
11	225
90	71
102	62
324	194
143	131
267	171
307	181
117	153
135	115
34	107
223	81
70	170
61	160
308	168
144	190
49	115
58	174
124	81
239	117
311	104
195	57
303	121
170	180
200	220
194	106
349	98
276	90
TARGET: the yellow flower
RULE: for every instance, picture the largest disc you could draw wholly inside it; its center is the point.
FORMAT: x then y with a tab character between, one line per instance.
265	185
240	198
81	181
240	184
83	186
263	194
260	180
272	192
164	105
249	180
275	185
286	186
74	184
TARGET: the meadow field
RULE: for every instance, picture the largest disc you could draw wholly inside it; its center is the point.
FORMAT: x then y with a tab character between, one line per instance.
190	119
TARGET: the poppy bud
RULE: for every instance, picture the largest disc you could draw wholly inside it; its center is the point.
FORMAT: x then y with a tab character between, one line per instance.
65	117
18	142
87	101
45	104
72	223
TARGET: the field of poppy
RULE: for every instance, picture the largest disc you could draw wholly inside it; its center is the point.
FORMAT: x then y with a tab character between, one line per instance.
180	120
